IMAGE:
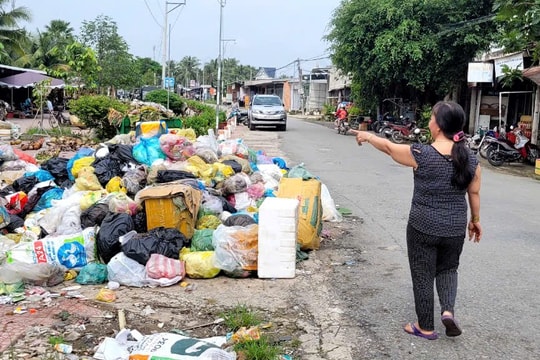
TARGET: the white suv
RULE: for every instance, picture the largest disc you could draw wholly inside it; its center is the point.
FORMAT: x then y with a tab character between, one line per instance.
267	110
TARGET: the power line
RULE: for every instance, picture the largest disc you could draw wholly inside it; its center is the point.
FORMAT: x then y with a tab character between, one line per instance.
151	13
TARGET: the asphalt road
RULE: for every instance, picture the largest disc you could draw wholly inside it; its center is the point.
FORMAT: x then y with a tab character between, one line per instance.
498	302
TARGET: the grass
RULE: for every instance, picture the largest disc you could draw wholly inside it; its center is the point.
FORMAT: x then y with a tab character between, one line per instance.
59	131
240	316
261	349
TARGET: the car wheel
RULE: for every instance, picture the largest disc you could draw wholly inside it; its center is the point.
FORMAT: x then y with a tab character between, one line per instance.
283	127
251	126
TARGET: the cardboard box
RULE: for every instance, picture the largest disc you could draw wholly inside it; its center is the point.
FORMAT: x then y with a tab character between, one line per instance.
172	205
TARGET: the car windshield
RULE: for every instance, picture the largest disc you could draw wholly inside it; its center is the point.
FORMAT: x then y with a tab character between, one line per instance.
267	100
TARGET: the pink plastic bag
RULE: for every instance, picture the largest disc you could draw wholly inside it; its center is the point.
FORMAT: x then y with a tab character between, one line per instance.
160	266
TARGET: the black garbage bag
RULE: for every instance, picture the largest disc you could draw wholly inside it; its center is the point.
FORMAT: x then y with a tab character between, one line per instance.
122	153
57	166
165	176
239	220
164	241
15	222
106	168
25	183
236	166
139	219
33	200
112	227
94	215
66	184
227	206
8	190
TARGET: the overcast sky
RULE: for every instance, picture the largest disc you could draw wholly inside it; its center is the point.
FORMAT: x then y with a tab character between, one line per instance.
269	33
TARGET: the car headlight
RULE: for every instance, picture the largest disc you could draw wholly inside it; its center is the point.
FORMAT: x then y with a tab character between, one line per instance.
282	112
257	111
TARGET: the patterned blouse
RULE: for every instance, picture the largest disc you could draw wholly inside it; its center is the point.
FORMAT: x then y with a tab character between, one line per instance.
437	208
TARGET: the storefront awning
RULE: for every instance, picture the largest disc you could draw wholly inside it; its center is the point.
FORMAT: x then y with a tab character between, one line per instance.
29	79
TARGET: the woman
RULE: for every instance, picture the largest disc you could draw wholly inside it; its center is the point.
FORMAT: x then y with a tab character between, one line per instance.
444	172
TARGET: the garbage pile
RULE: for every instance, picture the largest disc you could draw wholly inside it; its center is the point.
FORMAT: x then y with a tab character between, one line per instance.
145	211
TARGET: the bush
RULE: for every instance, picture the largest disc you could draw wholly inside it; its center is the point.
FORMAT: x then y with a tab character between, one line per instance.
93	110
204	119
160	96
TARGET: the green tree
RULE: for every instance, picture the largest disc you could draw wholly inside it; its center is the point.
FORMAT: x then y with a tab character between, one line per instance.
12	36
116	63
150	71
417	49
186	69
518	24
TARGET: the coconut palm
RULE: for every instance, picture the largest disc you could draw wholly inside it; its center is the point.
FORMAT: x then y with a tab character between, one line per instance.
12	36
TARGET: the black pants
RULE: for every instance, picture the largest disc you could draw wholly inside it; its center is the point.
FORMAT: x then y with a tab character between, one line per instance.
433	258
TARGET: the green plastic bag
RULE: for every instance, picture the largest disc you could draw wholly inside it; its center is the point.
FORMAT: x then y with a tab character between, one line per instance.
202	240
92	274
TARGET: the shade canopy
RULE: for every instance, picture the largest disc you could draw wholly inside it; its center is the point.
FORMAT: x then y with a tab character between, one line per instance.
29	79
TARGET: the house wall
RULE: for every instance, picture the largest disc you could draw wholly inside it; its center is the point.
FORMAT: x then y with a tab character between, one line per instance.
286	98
318	94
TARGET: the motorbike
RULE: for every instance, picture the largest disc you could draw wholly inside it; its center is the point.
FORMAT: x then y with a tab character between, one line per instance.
387	127
241	116
501	151
343	126
409	132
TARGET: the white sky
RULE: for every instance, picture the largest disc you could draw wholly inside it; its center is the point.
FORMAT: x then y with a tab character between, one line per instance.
269	33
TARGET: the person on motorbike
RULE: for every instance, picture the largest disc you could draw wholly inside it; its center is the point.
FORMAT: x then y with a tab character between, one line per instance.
341	114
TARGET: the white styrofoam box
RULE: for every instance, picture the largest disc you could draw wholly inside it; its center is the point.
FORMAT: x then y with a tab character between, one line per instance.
278	233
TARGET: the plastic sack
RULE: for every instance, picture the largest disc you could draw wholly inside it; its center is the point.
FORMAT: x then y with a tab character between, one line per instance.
207	222
94	215
211	204
92	274
236	184
46	200
112	227
41	175
119	202
172	346
91	197
202	240
115	185
330	213
146	151
106	295
160	266
199	264
134	179
70	251
128	272
87	180
207	154
160	240
81	163
6	153
39	274
176	147
4	217
236	247
15	202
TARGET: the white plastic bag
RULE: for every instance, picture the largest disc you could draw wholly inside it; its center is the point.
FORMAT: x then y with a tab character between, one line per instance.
129	272
330	213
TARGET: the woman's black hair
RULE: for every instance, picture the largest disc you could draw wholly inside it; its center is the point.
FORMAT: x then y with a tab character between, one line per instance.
450	118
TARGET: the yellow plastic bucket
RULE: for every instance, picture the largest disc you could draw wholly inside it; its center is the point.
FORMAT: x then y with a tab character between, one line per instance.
537	167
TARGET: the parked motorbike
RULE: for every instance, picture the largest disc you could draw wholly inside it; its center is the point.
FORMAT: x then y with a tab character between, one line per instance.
501	151
408	132
387	127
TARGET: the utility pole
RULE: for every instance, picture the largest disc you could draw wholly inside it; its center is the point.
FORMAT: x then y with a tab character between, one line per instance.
218	99
164	50
301	85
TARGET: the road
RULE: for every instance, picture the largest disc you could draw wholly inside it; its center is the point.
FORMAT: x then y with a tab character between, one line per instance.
498	302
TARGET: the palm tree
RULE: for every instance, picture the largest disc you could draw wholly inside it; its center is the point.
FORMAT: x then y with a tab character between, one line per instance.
49	46
187	69
12	37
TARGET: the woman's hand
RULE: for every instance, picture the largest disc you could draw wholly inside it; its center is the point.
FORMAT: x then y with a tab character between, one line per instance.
475	231
362	136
